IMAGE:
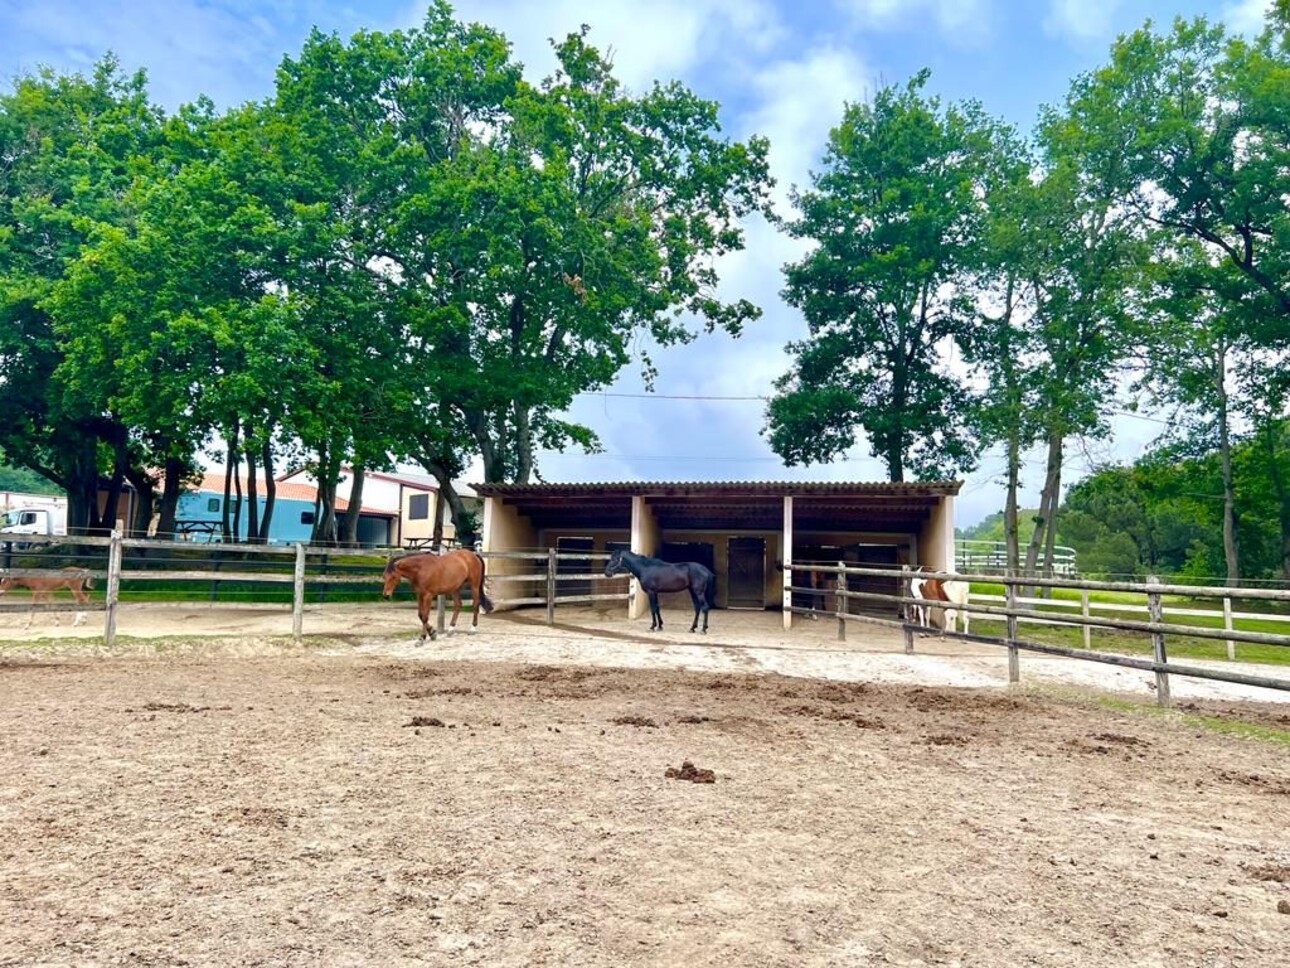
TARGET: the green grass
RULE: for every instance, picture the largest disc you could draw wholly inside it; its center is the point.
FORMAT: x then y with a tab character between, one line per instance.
1239	727
1136	643
1117	640
1230	723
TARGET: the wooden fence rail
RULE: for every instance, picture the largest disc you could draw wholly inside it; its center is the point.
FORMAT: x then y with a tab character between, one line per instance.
546	573
1155	627
295	572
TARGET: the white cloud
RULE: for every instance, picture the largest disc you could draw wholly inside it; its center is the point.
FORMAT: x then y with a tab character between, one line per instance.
1247	16
958	20
798	102
659	40
1081	20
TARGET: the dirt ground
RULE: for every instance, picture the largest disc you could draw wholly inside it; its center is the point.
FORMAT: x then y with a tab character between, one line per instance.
209	793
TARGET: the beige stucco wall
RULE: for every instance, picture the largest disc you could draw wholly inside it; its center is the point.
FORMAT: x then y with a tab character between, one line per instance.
505	529
936	539
645	541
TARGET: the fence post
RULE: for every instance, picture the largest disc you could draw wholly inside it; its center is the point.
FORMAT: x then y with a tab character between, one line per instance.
1083	610
1155	612
1014	654
113	585
906	588
298	594
840	603
550	586
215	583
1227	626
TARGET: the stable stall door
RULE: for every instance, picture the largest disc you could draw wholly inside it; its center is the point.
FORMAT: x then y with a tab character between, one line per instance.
746	573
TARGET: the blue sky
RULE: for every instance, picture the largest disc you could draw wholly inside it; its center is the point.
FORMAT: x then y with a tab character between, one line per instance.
779	68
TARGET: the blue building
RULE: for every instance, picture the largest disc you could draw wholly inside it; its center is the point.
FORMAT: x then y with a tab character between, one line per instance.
200	514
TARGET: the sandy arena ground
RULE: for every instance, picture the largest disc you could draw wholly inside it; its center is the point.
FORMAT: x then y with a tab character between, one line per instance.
208	793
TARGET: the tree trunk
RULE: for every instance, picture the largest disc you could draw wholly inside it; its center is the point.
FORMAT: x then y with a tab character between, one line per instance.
230	471
252	499
1047	502
325	522
170	490
83	491
523	444
349	533
1230	553
1011	530
270	490
112	499
447	494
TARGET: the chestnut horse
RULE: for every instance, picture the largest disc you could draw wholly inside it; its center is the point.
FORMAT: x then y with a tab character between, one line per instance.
430	574
74	579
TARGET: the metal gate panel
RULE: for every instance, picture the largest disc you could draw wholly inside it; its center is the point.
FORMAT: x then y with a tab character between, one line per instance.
573	566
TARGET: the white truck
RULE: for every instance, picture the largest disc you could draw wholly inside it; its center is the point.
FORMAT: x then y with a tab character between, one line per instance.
33	514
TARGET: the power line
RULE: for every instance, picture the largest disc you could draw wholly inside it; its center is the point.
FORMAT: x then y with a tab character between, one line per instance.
676	396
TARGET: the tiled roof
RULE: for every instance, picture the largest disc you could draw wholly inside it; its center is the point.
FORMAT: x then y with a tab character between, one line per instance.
214	483
720	489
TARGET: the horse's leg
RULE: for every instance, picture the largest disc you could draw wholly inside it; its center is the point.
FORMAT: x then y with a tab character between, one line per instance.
456	609
655	614
423	610
695	599
476	598
81	599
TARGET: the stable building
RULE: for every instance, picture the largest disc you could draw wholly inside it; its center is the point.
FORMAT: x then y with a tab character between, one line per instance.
751	534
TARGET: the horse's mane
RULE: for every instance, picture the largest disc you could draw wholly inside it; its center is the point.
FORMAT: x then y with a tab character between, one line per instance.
389	565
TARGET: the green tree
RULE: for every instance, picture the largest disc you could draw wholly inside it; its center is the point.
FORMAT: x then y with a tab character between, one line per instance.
591	219
70	145
1085	269
1211	169
896	215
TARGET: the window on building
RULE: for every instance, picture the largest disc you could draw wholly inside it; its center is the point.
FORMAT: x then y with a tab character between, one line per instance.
419	507
212	505
306	517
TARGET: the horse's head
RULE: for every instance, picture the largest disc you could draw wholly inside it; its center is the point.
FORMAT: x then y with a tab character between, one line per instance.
5	583
615	565
392	577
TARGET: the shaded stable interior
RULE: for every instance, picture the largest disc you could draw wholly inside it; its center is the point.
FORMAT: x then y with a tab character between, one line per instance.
740	530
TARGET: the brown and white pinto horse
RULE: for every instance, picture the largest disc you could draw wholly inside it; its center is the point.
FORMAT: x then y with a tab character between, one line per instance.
430	574
939	595
74	579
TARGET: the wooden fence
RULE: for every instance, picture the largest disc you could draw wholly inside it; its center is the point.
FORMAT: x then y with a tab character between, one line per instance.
1014	613
304	568
539	579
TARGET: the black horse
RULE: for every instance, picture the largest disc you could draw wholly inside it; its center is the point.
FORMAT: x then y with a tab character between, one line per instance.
663	576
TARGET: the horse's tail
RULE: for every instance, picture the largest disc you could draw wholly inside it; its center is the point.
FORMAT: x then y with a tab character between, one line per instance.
710	589
485	602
